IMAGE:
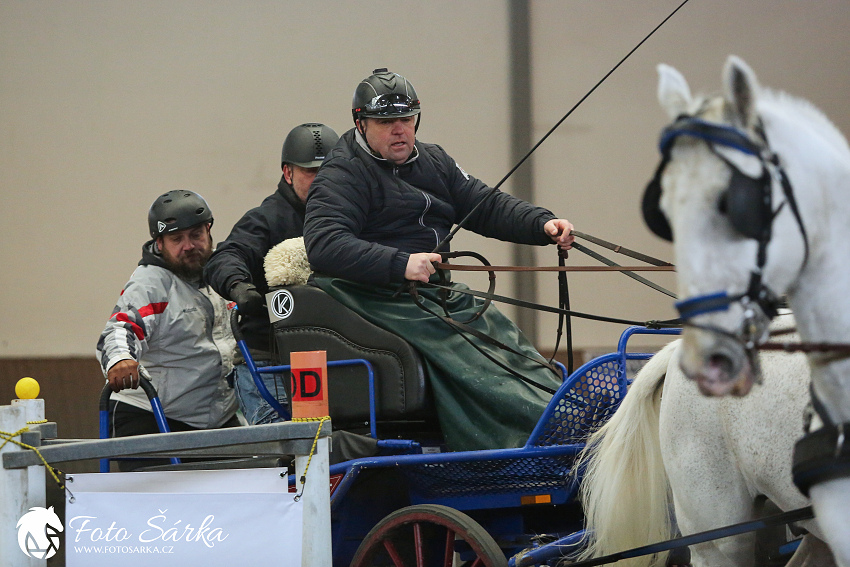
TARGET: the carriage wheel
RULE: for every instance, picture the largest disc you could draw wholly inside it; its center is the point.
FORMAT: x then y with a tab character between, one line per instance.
428	535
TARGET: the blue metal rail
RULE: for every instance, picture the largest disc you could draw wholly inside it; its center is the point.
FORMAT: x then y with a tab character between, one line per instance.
156	407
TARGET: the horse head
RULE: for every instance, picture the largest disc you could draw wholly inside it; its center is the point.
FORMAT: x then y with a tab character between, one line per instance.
719	191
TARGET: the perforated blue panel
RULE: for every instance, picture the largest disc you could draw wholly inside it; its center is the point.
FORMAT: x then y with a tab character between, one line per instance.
524	475
587	402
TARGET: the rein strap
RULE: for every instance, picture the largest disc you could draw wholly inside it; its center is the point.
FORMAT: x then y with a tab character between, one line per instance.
471	268
744	527
652	324
621	249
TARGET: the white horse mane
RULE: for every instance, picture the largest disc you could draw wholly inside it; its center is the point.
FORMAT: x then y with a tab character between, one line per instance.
668	447
773	102
807	111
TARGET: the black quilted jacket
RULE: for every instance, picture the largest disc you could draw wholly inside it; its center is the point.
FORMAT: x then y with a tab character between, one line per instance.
240	257
365	215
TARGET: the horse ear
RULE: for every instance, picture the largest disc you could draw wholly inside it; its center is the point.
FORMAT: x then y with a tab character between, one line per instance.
741	90
674	95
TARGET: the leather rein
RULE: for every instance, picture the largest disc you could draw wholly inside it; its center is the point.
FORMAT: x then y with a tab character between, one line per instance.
825	352
489	296
563	310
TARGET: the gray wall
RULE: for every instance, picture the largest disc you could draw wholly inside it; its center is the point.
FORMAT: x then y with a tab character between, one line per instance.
103	105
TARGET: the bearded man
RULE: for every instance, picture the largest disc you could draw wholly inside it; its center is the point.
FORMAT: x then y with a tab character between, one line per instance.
171	323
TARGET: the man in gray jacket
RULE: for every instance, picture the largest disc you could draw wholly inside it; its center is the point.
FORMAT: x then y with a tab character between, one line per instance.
169	322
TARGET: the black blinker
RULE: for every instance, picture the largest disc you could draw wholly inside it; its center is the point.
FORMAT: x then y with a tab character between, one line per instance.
747	204
653	216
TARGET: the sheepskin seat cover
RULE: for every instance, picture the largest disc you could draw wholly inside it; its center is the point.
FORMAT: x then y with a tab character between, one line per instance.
286	263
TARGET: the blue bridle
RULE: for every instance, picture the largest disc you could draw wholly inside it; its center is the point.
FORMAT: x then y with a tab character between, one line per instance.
757	292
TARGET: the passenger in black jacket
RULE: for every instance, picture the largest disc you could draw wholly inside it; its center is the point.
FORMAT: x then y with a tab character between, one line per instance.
236	270
378	208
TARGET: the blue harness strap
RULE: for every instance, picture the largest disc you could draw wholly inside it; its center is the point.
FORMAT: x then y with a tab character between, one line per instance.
693	306
710	132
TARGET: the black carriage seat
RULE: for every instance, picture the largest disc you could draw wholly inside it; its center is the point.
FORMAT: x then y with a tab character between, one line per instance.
316	321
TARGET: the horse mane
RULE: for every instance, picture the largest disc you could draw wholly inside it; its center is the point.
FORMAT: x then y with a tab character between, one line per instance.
777	103
781	102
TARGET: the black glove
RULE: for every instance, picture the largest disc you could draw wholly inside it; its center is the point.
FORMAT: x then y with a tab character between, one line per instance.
247	298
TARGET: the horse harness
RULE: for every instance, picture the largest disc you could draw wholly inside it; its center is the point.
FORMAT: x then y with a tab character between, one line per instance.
748	204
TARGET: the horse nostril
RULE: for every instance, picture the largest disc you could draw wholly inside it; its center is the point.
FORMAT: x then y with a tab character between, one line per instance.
721	362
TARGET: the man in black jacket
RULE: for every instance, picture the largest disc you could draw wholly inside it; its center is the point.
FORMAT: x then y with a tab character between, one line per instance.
378	208
384	199
236	270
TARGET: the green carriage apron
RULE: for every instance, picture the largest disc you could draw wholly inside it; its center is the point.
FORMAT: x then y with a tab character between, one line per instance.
479	405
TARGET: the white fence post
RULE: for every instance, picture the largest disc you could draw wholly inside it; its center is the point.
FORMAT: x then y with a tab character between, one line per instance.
14	498
34	412
316	537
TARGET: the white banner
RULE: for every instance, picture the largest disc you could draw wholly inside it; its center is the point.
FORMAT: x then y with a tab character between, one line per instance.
211	518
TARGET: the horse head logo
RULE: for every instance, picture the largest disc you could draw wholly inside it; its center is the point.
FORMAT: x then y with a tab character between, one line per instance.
38	532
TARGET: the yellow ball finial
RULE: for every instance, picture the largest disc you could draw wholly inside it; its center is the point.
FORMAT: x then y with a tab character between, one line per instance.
27	389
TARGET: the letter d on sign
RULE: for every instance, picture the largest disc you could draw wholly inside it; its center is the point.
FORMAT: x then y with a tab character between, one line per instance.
309	383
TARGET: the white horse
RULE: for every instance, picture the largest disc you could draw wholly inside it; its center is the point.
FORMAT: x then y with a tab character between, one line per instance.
668	447
745	232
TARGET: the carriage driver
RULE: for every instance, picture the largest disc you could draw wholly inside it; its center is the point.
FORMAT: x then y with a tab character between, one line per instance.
174	325
379	205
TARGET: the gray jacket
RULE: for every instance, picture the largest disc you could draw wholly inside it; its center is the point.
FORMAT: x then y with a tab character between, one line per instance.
180	332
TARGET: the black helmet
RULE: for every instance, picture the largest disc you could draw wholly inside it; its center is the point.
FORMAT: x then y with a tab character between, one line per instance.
177	210
384	95
307	145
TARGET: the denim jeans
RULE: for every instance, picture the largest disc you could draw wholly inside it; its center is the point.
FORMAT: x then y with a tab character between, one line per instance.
255	409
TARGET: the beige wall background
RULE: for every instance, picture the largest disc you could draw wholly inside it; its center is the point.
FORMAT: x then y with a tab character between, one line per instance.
106	104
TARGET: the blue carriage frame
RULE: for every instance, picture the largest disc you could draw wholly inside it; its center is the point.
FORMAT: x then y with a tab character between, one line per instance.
492	486
513	493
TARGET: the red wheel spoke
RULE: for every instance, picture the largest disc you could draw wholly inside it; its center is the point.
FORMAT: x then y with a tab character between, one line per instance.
417	545
414	533
388	545
449	555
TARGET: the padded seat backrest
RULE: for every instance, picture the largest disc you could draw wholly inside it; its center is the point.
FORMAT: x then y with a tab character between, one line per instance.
306	318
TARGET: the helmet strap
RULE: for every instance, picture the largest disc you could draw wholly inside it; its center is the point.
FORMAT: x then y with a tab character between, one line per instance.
361	127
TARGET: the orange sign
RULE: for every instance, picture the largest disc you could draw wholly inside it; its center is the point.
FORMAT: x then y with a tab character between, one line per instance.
309	383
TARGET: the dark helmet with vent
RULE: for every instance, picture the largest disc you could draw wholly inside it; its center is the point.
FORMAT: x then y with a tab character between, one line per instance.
177	210
384	95
307	145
